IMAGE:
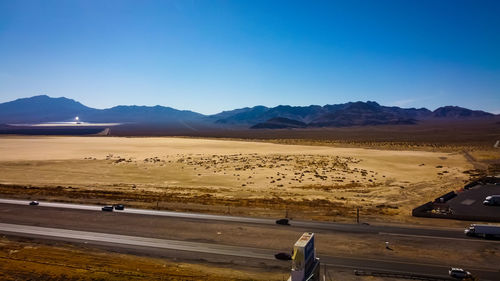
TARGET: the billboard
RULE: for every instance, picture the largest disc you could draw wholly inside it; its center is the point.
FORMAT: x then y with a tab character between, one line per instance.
304	257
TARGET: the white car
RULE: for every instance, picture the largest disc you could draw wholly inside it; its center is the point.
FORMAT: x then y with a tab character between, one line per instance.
458	273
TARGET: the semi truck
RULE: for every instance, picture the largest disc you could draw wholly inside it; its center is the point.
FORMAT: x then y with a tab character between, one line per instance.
483	230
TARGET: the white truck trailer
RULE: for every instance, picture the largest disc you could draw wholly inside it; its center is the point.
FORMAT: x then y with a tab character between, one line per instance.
483	230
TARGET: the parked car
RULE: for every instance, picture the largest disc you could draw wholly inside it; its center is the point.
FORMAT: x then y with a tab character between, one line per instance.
459	273
119	207
283	222
107	209
34	203
283	256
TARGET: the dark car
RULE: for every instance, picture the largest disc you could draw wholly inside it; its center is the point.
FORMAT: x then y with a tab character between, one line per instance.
283	256
283	222
492	200
120	207
34	203
107	209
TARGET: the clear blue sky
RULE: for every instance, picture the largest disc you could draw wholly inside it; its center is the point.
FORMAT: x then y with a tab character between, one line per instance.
210	56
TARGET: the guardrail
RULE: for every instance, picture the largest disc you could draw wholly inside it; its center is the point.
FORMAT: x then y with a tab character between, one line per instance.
400	275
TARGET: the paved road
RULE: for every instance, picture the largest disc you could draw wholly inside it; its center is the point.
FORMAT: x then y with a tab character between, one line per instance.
210	248
434	233
86	236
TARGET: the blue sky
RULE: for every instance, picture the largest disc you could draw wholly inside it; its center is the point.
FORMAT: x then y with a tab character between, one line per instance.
210	56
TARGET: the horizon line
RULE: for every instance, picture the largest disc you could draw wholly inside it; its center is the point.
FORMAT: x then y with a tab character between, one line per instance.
496	112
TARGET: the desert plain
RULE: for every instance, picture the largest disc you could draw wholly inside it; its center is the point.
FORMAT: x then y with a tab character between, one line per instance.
229	176
271	178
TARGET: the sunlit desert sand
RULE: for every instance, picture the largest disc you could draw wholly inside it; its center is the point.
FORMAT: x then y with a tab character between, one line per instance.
392	182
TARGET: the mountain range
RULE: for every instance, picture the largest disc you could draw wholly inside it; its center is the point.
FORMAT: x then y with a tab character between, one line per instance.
43	108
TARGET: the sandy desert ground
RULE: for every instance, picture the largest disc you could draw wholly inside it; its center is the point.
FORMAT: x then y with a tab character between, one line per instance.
240	175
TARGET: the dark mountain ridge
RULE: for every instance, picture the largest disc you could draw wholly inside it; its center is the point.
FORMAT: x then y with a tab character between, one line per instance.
42	109
46	109
456	112
279	123
363	114
143	114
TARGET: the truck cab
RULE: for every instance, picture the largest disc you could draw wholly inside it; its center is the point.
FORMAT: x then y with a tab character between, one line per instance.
470	231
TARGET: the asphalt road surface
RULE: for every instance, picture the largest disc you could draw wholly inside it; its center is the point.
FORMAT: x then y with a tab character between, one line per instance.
438	233
80	224
86	236
470	202
247	252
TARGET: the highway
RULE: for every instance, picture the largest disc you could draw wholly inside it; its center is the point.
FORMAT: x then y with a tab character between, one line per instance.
150	235
210	248
86	236
437	233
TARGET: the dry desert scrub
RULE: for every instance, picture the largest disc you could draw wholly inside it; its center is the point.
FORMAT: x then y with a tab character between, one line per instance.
21	259
237	177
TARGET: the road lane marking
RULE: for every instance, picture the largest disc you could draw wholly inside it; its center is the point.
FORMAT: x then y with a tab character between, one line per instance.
439	237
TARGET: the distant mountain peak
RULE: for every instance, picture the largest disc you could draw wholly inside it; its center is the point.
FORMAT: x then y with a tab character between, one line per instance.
459	112
42	96
45	97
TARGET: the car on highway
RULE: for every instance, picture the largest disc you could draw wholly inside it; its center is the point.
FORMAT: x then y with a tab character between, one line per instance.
283	256
119	207
492	200
34	203
107	209
283	222
459	273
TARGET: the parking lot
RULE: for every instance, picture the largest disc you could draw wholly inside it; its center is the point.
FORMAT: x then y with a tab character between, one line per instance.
466	204
469	202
